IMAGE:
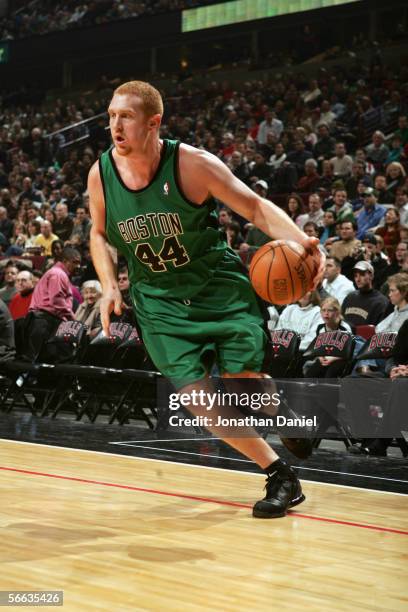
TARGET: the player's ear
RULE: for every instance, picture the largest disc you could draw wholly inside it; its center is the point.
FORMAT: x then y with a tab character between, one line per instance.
155	121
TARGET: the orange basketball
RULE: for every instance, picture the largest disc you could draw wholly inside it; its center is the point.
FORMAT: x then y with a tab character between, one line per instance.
281	272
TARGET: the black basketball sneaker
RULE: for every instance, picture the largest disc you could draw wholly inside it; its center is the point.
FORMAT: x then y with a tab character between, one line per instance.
283	491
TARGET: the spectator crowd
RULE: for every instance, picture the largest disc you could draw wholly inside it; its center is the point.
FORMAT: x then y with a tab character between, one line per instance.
43	17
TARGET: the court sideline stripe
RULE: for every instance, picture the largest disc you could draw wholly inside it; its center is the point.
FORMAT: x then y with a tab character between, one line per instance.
197	466
202	499
299	467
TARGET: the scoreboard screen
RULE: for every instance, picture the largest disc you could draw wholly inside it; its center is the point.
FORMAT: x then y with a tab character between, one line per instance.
237	11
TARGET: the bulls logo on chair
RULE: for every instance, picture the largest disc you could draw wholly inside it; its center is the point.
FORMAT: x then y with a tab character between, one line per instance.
338	344
283	352
379	346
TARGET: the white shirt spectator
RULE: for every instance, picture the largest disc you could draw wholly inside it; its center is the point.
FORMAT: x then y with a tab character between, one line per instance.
303	320
339	288
273	126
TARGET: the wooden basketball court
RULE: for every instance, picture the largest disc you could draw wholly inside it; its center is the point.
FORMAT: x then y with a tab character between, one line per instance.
123	533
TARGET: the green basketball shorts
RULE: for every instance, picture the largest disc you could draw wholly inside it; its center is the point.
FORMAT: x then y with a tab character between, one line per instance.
222	325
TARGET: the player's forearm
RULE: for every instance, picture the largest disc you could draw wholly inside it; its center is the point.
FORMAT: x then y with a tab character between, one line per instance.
103	261
274	222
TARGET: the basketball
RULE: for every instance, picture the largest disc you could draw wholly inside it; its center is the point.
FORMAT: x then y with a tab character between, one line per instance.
281	272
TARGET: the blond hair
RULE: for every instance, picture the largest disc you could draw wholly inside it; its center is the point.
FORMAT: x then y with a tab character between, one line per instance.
152	103
332	302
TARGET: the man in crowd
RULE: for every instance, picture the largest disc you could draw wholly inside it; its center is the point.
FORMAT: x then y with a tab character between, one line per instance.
377	151
315	213
336	284
52	301
45	238
8	291
63	224
347	244
371	214
366	305
342	208
342	163
20	303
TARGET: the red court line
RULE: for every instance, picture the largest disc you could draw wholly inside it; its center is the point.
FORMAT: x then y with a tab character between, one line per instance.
202	499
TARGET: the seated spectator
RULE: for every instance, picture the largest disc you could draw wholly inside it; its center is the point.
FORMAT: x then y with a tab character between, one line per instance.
234	237
52	302
347	244
20	303
401	253
315	213
270	124
329	226
325	145
358	202
395	175
311	229
224	217
398	294
311	179
358	174
33	230
89	311
366	305
377	151
327	178
336	284
401	203
342	208
396	150
341	162
294	207
369	252
380	189
45	238
328	367
18	240
260	170
371	214
277	159
82	225
302	317
390	232
63	224
6	225
402	131
7	343
298	156
8	290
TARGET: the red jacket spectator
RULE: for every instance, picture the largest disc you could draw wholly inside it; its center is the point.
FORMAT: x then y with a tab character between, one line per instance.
20	302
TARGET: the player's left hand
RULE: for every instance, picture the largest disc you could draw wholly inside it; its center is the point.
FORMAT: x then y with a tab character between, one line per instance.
312	247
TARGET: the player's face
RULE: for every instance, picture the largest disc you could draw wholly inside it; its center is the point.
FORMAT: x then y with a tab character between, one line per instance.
128	123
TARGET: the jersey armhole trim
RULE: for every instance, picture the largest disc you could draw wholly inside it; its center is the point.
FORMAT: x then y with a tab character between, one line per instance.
104	192
176	178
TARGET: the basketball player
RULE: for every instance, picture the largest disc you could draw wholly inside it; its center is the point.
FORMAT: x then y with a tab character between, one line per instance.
153	200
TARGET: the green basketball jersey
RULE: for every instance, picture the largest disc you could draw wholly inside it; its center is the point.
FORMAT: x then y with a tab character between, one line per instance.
172	246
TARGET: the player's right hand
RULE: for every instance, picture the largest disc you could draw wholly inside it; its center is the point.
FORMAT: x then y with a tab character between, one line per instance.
111	301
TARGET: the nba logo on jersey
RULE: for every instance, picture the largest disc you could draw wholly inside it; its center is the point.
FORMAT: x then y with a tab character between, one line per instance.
166	188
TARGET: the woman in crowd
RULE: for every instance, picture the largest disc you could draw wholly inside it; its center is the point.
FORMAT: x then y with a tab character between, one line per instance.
329	226
294	206
303	318
328	367
233	233
395	175
390	232
34	229
89	311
